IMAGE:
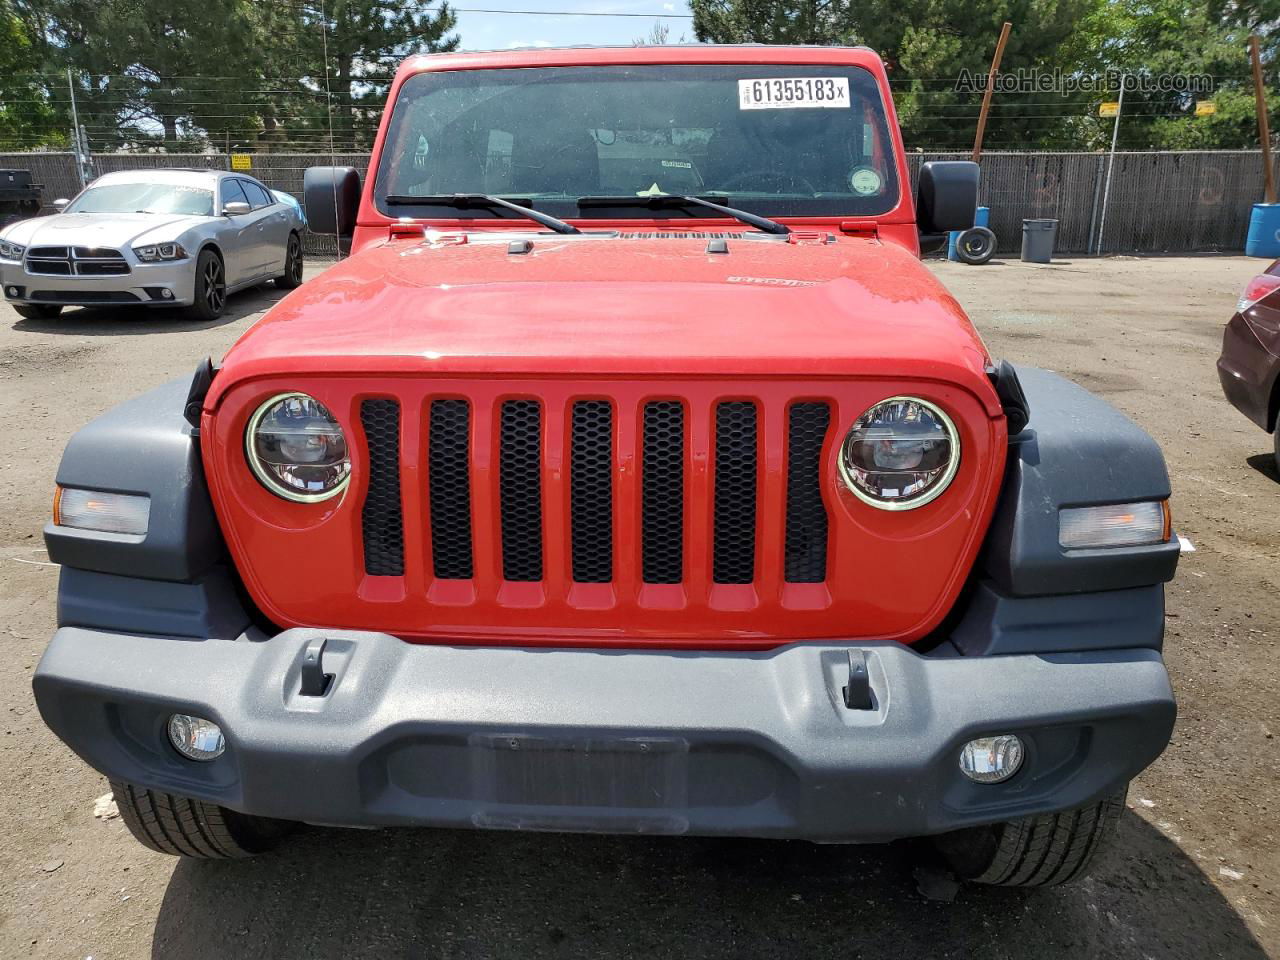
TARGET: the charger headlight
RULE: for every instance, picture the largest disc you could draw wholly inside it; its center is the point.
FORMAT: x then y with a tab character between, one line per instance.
297	449
156	252
900	454
11	251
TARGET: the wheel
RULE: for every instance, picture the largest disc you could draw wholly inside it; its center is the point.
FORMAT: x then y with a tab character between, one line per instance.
292	276
37	311
976	245
211	288
1038	851
192	828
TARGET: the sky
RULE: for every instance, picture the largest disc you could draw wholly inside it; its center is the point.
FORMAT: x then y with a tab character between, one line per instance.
550	23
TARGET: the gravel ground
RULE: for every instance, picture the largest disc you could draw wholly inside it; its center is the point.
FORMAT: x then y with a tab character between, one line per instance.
1196	870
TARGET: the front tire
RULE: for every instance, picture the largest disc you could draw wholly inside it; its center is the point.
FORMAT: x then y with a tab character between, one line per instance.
182	827
291	279
1039	851
210	288
37	311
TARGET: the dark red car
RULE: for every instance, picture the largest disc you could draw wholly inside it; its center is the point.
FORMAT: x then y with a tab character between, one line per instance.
1250	361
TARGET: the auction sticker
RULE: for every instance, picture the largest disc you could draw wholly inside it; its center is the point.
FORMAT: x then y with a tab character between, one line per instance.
791	92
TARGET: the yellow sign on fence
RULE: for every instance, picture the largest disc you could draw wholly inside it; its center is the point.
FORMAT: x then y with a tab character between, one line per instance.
1109	109
241	161
1206	108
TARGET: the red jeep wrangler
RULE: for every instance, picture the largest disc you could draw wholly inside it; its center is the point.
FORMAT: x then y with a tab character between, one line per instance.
631	475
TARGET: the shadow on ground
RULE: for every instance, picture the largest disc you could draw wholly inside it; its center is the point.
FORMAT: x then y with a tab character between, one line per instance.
1265	464
136	321
405	894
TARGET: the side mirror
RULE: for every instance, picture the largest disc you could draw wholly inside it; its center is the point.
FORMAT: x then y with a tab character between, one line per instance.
946	196
235	208
60	203
331	196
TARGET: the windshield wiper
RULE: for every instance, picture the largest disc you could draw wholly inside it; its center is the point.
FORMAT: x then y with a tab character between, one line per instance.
464	200
658	201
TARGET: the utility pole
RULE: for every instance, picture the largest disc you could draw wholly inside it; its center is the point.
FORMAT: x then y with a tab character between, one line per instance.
1264	130
77	133
1111	162
986	94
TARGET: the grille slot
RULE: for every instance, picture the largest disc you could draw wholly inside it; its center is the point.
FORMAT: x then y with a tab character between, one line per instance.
662	496
76	261
591	491
734	556
50	268
520	486
806	539
450	489
383	516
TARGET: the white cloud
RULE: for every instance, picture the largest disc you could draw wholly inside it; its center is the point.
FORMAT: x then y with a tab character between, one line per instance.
514	44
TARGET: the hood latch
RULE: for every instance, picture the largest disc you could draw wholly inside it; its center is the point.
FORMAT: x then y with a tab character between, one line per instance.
865	228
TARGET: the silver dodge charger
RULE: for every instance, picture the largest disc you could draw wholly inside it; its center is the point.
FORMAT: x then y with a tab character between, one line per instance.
156	238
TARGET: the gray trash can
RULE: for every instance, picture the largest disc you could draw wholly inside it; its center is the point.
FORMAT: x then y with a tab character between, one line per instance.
1038	238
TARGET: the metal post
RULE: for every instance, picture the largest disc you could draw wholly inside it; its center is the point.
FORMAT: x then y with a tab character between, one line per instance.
1093	211
1111	162
1264	134
986	94
75	131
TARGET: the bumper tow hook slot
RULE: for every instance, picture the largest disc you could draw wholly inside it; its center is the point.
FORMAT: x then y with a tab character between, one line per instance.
857	695
315	682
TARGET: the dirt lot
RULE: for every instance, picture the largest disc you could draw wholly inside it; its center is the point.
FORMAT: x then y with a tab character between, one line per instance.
1196	873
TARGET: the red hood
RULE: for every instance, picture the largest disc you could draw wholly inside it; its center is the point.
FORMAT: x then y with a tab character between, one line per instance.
619	306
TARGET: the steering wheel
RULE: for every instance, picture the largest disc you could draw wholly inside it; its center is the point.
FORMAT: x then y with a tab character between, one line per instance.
776	176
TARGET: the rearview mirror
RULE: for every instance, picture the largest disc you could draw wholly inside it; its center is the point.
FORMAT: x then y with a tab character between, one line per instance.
331	196
946	196
60	203
235	208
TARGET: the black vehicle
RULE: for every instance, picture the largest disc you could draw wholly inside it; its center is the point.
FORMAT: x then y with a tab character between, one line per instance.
19	197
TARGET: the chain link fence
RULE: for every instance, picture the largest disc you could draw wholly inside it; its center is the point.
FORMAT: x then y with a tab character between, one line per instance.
1185	202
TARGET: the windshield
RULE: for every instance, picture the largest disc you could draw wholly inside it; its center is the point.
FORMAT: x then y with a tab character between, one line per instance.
144	198
777	140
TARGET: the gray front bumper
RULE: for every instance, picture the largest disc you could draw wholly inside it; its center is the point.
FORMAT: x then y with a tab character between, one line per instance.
178	276
749	744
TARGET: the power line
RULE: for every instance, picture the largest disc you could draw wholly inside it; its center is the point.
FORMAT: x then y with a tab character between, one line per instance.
569	13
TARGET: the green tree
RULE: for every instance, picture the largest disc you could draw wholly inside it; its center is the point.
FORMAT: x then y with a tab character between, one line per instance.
1150	39
773	21
926	45
234	74
28	117
364	41
150	73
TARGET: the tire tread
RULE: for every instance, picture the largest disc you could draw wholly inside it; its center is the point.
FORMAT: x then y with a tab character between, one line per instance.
1050	849
183	827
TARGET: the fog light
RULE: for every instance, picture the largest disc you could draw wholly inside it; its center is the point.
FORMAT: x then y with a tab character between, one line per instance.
195	737
12	291
167	294
991	759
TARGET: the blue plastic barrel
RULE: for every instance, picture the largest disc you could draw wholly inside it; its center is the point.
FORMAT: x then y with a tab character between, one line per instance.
981	218
1264	231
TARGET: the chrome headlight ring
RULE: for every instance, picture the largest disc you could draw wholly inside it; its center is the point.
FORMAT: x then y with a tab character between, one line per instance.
273	481
936	485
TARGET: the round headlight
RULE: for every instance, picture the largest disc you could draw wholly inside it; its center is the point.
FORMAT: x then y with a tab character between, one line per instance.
297	449
900	454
